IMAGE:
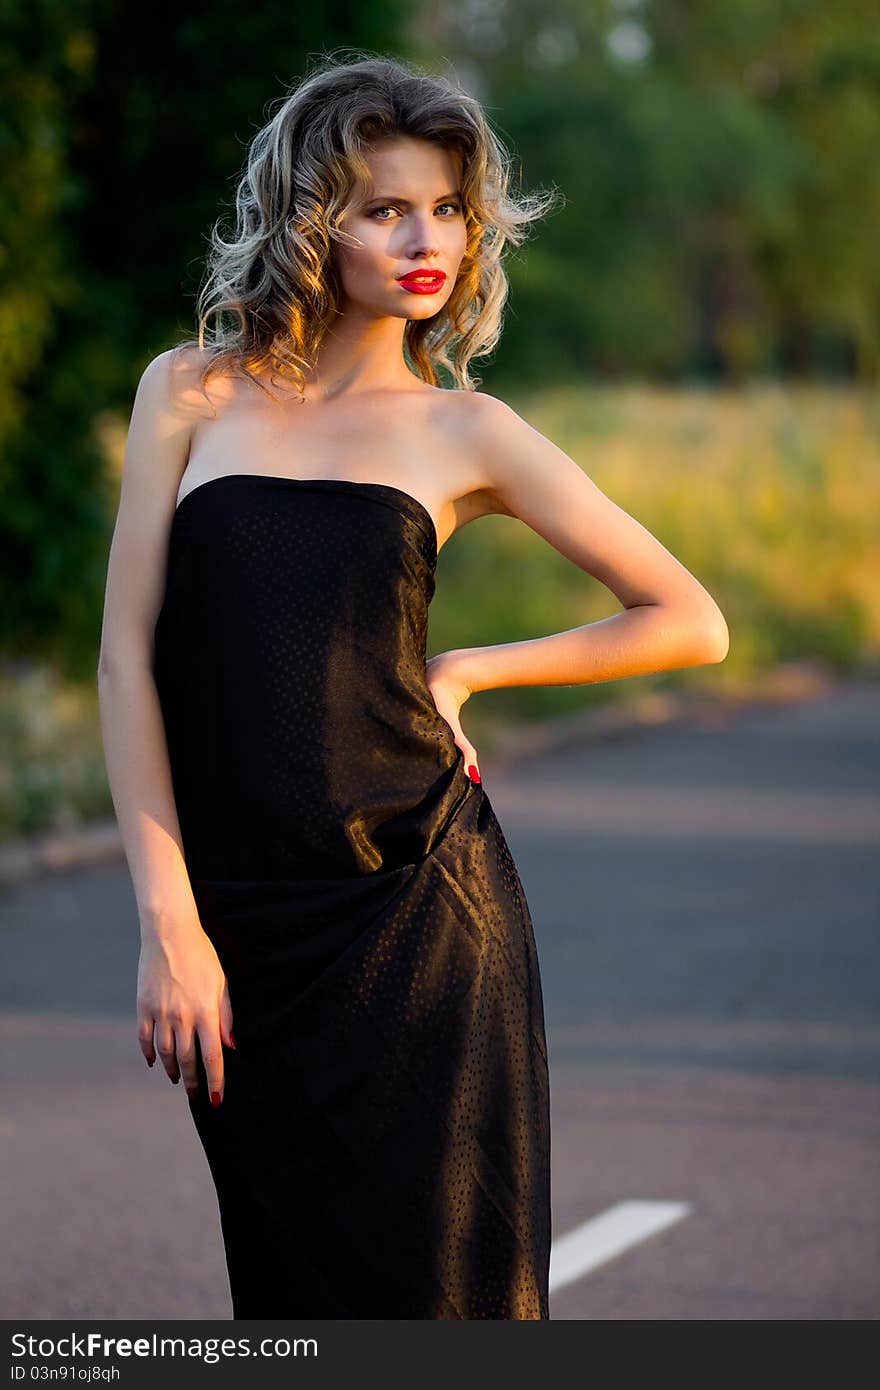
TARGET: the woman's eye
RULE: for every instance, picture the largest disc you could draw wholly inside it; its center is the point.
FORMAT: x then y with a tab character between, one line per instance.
386	207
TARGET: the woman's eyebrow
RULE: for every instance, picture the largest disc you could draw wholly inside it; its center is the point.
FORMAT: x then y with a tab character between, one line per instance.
395	198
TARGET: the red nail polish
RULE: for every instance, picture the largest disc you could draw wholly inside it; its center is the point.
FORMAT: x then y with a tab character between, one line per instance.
215	1098
232	1042
473	773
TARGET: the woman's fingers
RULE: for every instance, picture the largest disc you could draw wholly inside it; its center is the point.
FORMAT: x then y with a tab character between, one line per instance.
464	745
449	696
469	753
212	1056
179	1047
470	762
226	1033
179	1050
187	1059
145	1039
167	1050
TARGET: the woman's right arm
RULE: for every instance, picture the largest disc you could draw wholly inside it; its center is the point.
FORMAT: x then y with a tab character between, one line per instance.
181	986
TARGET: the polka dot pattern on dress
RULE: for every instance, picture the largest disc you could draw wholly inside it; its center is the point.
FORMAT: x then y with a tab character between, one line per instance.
383	1145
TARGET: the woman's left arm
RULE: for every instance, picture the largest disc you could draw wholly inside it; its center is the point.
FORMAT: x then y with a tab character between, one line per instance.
669	620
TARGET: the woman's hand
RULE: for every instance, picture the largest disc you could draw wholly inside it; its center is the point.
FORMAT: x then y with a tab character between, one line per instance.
182	992
449	691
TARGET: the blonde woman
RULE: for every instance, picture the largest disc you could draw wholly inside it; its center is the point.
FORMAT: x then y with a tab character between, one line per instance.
337	954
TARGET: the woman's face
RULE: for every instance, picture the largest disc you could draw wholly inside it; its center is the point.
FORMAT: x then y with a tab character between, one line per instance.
411	219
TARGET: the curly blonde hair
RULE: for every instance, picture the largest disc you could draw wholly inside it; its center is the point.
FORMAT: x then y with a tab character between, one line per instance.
271	288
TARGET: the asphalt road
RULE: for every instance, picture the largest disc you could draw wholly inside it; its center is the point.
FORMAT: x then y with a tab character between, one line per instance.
706	901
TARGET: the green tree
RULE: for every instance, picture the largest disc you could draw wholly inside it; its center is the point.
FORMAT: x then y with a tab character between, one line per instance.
719	166
124	128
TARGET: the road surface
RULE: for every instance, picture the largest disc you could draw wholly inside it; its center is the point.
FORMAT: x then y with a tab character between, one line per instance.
706	901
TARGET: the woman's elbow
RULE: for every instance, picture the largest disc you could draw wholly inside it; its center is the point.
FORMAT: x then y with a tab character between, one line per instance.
715	639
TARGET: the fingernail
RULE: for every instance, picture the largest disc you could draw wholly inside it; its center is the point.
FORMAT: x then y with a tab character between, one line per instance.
473	773
215	1098
232	1042
149	1063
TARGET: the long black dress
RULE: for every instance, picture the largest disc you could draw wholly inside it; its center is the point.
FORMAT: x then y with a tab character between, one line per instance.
383	1146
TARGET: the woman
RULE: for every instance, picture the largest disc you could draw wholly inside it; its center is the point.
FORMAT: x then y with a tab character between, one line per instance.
337	954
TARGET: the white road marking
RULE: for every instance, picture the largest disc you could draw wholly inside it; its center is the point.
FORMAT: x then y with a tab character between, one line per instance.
604	1237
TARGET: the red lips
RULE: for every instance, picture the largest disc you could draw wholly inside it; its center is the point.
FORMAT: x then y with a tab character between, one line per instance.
426	274
422	281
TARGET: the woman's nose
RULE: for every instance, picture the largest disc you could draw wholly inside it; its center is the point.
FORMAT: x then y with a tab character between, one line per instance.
422	242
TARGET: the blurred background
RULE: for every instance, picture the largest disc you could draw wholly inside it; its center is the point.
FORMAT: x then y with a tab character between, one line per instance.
699	327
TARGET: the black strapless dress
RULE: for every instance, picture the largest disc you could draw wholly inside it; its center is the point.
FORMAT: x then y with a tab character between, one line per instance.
383	1146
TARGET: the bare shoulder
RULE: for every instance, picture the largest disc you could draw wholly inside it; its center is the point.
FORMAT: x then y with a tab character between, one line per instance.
172	383
493	432
167	404
517	460
479	414
453	418
495	420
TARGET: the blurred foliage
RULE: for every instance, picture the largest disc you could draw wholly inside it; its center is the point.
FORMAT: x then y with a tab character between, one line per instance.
52	775
123	129
721	179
